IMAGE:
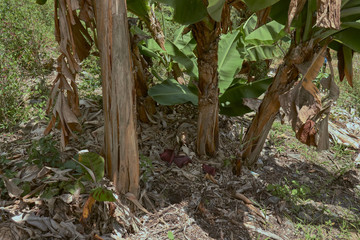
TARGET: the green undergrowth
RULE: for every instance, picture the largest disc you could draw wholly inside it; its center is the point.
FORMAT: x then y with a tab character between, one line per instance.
26	45
82	173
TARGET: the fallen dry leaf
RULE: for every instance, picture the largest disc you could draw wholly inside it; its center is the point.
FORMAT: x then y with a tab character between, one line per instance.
211	178
87	209
168	156
209	169
134	200
182	161
13	190
242	197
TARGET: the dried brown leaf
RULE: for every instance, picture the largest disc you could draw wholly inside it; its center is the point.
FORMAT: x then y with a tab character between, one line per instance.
341	64
211	178
82	40
242	197
312	72
298	106
168	156
295	8
69	118
13	190
209	169
87	209
306	133
348	69
50	125
134	200
182	161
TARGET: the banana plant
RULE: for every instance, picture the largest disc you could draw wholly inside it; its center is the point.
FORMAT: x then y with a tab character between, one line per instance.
243	43
334	25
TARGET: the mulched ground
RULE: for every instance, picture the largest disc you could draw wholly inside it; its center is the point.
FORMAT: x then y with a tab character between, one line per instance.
184	201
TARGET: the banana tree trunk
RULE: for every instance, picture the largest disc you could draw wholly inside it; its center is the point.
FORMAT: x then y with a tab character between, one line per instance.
121	152
286	76
145	105
157	33
208	118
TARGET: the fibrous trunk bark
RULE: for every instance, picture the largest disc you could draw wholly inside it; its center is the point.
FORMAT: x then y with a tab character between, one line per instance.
286	76
121	152
145	105
208	118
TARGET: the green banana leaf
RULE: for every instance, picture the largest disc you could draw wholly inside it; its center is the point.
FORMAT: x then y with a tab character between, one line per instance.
140	8
350	4
279	11
180	57
256	5
260	52
266	34
231	102
215	9
187	12
249	25
185	43
348	38
170	92
181	40
151	49
355	24
229	59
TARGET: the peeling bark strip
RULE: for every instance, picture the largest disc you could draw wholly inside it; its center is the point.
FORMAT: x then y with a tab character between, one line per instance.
285	78
122	160
328	14
75	44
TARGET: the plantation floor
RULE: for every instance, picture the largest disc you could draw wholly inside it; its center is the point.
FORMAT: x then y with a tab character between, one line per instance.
293	193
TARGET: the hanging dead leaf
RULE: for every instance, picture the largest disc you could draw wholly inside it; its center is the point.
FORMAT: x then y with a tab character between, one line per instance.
87	209
330	85
298	106
341	63
348	69
295	8
312	72
306	133
75	44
